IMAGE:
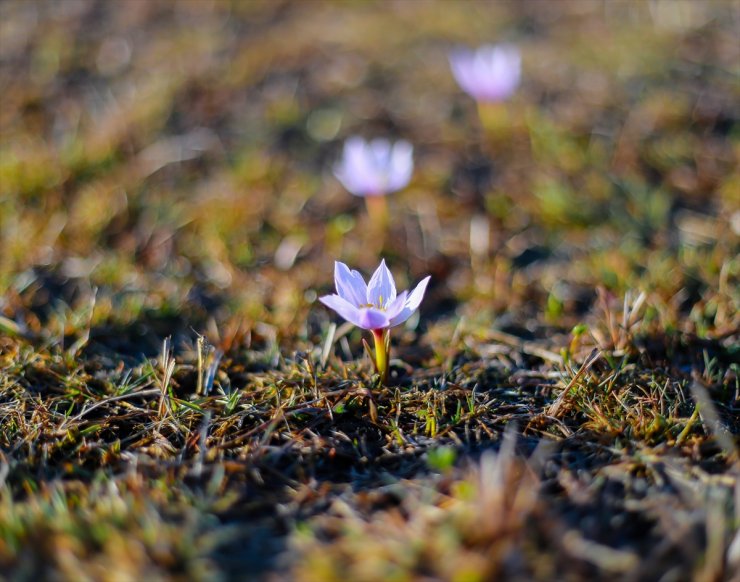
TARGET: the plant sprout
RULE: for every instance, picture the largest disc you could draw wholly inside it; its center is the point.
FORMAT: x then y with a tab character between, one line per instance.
374	306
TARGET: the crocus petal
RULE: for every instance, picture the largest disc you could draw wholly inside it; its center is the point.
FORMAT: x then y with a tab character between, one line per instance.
417	295
483	68
401	165
380	152
343	308
350	284
360	165
354	171
381	290
412	303
369	318
501	66
396	306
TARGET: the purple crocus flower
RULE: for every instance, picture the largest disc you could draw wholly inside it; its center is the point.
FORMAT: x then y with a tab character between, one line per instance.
375	306
375	168
490	73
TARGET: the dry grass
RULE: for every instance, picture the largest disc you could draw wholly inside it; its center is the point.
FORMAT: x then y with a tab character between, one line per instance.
175	404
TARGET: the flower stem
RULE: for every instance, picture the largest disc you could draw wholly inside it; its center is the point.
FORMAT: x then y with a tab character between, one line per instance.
496	123
377	209
381	353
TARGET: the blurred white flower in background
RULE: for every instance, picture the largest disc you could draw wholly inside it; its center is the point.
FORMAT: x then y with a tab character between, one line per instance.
489	73
375	168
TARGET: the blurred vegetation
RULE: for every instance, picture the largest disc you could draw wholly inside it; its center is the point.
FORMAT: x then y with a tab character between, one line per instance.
175	404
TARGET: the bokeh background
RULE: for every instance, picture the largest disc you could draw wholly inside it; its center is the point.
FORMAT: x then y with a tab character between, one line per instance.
176	157
166	172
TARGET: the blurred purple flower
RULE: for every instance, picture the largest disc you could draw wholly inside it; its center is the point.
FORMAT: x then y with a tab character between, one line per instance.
490	73
375	168
374	306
